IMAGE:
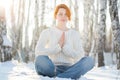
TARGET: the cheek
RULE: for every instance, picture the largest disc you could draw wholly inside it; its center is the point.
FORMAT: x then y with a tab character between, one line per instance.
58	18
66	18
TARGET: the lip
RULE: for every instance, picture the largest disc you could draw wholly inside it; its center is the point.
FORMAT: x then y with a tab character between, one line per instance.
63	20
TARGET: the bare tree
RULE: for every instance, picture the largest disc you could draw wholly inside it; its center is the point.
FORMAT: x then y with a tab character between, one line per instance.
115	29
54	21
17	31
36	29
101	32
27	48
88	25
42	8
2	28
70	4
5	49
95	10
76	7
1	40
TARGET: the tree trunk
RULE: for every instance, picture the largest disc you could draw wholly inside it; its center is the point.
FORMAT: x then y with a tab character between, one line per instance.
1	40
36	29
101	32
18	31
5	52
115	28
42	15
27	48
76	8
95	10
42	7
54	21
88	25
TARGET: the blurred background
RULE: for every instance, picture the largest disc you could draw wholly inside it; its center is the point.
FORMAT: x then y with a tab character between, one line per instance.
21	22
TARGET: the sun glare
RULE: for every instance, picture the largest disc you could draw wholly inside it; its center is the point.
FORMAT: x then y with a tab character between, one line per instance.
5	3
4	7
1	3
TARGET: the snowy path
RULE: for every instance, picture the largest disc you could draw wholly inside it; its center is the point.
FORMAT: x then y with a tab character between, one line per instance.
13	70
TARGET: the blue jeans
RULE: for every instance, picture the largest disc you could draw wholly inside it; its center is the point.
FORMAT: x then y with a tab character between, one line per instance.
44	66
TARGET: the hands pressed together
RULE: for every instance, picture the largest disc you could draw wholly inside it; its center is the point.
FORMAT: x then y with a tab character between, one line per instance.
62	40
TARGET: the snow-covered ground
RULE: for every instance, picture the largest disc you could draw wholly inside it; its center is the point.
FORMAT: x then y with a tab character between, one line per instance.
13	70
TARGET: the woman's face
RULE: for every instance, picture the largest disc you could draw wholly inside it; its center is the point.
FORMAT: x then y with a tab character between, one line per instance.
61	16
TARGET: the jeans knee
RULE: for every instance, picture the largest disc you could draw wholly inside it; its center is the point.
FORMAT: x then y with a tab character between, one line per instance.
43	60
40	58
90	61
44	65
87	62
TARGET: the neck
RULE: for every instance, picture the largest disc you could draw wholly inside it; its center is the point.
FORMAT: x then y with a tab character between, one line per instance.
62	27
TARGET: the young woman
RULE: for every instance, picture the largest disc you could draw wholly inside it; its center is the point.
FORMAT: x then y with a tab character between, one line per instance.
59	49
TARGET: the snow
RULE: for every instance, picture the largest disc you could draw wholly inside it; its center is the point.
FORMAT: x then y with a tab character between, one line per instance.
13	70
104	73
6	41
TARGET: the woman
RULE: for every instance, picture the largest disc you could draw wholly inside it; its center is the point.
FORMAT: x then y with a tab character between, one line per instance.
59	49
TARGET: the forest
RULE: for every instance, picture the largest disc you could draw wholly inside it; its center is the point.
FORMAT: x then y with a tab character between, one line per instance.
22	21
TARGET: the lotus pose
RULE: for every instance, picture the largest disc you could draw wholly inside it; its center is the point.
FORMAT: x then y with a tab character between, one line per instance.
59	50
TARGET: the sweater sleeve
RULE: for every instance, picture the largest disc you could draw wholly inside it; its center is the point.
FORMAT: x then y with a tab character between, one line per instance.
41	48
75	50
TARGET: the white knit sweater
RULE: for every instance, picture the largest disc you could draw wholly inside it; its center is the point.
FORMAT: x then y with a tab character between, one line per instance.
48	45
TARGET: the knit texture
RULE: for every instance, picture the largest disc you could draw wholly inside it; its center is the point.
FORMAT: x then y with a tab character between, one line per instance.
71	52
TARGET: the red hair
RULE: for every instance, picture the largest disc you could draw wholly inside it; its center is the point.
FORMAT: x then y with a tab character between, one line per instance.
65	7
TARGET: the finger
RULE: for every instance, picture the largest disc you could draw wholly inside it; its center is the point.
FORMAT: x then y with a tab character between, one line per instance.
63	35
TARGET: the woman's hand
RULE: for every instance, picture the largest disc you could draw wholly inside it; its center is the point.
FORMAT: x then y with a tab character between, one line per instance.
62	40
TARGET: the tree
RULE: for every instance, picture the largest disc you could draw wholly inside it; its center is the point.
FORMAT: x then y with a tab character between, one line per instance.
5	49
88	25
115	29
42	9
36	29
93	51
26	47
76	15
101	32
1	39
54	21
17	30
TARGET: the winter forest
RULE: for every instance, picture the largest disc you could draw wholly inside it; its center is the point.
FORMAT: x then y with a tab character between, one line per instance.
21	22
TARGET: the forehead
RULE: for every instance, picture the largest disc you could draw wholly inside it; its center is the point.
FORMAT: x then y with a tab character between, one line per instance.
62	10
